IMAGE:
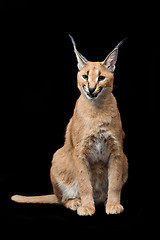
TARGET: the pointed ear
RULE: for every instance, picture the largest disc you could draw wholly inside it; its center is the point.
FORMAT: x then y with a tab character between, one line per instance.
110	60
82	61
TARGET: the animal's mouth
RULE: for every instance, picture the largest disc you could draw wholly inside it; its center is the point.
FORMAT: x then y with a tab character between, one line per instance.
93	95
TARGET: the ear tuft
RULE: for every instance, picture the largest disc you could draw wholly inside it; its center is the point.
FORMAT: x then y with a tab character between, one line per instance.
81	60
111	59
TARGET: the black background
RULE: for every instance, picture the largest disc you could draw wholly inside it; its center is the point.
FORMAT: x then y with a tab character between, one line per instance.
38	93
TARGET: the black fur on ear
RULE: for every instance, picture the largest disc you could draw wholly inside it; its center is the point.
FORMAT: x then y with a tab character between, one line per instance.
82	61
110	60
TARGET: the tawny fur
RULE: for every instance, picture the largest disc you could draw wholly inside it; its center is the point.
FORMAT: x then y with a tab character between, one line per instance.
91	167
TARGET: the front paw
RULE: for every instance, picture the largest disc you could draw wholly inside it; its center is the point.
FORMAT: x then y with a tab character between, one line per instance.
114	208
86	210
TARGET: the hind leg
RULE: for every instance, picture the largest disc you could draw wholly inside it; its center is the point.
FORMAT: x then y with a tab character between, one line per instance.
64	182
72	204
67	194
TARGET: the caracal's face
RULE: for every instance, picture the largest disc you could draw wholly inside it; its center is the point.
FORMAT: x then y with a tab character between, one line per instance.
95	80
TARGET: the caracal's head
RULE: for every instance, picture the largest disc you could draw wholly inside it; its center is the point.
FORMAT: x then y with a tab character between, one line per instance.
95	79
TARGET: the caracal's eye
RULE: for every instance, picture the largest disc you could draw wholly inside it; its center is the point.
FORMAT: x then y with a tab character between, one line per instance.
101	78
85	77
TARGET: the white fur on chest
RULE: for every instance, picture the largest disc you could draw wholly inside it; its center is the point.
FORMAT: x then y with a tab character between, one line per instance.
98	150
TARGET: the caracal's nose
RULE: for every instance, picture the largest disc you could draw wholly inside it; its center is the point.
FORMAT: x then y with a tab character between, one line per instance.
91	90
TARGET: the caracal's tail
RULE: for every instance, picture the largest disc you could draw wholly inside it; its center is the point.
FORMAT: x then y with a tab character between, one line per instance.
35	199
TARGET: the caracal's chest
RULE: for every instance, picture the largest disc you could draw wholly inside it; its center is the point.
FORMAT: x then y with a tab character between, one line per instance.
97	149
97	160
97	140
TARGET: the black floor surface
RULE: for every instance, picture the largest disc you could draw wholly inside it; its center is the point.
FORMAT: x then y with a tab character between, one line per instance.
45	219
